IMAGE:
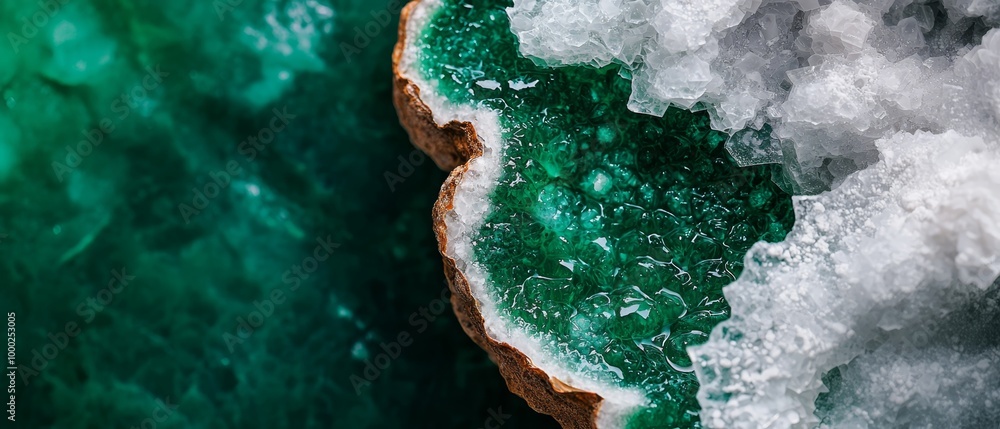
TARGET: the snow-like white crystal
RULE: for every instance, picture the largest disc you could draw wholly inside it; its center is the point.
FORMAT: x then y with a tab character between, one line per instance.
870	266
831	78
839	29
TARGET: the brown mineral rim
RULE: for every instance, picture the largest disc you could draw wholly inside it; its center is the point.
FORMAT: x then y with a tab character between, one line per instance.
451	146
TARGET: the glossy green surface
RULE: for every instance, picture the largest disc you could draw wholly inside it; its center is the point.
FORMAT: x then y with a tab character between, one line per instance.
612	234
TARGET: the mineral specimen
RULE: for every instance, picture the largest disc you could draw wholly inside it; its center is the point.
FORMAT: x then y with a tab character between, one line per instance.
595	240
570	232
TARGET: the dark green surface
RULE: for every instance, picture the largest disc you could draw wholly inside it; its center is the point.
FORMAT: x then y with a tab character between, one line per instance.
163	336
612	234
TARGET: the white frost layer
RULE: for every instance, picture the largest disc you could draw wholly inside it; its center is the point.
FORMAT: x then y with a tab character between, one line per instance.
941	374
830	77
470	211
872	265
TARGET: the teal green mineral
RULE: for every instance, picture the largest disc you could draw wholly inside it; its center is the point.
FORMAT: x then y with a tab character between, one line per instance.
206	148
611	234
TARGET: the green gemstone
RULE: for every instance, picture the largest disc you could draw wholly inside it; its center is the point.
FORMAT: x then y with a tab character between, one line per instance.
611	233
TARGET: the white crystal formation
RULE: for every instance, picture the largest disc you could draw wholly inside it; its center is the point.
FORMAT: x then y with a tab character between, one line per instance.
868	278
831	78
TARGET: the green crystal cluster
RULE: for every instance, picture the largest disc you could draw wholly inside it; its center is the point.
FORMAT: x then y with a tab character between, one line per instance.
611	234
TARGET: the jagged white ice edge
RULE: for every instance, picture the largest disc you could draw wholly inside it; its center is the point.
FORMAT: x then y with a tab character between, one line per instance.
470	211
893	249
830	77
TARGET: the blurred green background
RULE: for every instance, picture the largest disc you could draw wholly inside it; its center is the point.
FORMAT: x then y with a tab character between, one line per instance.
210	218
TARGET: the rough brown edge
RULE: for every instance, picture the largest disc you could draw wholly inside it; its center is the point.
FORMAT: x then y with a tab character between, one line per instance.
451	146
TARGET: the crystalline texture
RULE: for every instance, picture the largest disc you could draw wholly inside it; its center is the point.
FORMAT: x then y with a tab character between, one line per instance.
692	53
890	107
595	240
870	265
